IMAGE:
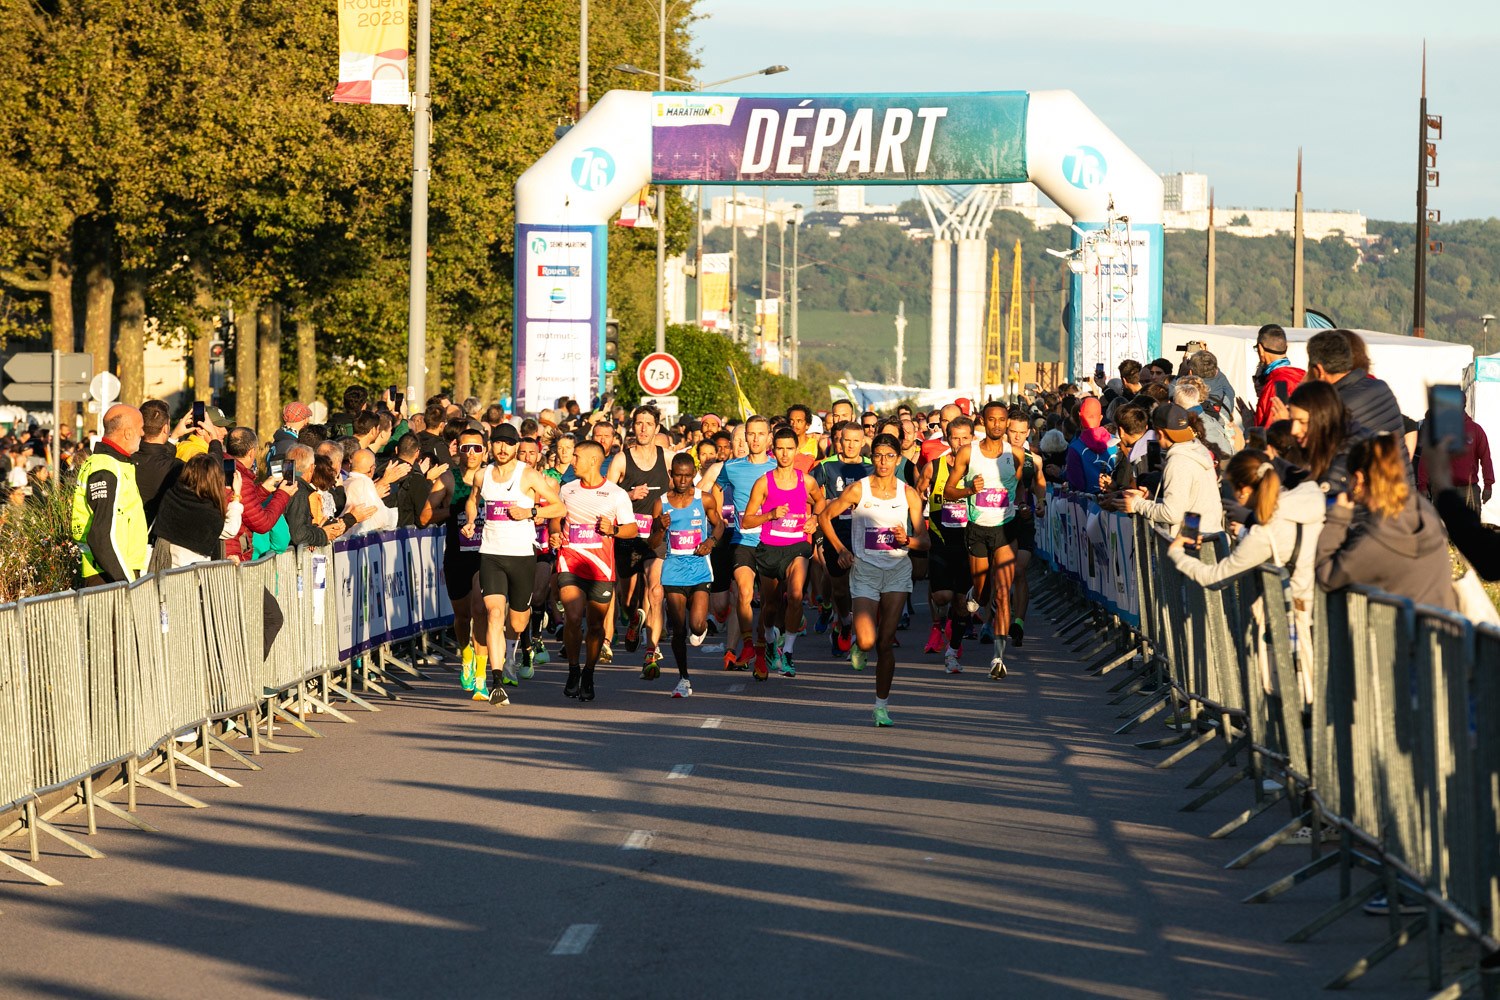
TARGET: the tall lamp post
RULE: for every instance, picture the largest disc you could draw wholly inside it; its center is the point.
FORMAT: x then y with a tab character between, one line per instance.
661	199
1484	322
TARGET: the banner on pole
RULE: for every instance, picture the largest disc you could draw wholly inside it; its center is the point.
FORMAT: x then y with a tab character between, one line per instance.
373	39
714	273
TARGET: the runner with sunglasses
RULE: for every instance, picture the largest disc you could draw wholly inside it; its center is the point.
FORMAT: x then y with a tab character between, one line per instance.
461	565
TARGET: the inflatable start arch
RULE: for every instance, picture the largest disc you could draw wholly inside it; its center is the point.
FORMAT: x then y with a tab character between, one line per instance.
565	201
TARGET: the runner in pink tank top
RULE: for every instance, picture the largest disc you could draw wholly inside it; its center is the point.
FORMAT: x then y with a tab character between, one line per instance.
782	504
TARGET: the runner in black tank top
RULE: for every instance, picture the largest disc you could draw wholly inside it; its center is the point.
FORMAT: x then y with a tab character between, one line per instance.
642	471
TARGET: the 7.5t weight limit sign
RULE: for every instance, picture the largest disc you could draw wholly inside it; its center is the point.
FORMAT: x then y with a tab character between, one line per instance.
659	374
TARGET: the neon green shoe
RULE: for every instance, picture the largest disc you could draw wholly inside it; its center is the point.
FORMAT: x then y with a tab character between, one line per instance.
481	689
526	672
856	657
539	655
882	717
466	676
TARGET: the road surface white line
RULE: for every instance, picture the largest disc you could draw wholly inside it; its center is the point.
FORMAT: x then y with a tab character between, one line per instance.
711	723
680	771
575	940
637	840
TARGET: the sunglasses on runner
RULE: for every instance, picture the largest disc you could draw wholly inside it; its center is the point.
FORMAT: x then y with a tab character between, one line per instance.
869	426
471	449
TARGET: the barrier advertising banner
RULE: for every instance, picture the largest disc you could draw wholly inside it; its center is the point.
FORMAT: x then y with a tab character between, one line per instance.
372	52
560	281
864	138
388	585
1092	546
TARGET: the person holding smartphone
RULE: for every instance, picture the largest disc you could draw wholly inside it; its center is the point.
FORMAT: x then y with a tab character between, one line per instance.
1190	480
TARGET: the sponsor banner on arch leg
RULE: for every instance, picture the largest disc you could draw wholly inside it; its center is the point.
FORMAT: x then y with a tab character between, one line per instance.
559	329
823	138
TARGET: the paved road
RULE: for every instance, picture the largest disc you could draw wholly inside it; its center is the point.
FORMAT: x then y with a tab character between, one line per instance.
998	842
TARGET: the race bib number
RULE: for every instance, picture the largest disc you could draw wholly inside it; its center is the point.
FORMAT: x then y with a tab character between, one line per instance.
643	522
880	539
993	499
542	535
470	544
954	515
585	536
686	541
731	519
787	527
495	510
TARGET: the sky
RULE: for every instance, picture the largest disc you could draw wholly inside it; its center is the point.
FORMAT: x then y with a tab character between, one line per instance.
1227	89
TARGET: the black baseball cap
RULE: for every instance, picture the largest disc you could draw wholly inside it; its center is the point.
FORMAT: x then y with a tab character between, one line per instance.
506	432
1171	420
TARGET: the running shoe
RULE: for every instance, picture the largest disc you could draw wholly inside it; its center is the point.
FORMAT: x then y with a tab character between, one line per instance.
697	639
1017	632
732	662
761	670
846	640
882	717
825	616
539	654
905	622
934	641
651	669
997	669
481	689
747	652
508	674
856	657
527	671
575	677
586	687
684	689
972	632
1380	905
971	602
466	675
788	668
499	697
950	662
606	654
633	633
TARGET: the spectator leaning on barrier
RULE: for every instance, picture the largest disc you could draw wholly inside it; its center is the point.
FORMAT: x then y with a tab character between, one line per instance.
305	526
1089	453
1132	468
198	514
1393	539
1286	529
362	492
1189	482
1320	423
1270	348
109	519
263	503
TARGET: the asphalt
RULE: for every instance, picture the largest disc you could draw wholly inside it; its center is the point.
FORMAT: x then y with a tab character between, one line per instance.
998	841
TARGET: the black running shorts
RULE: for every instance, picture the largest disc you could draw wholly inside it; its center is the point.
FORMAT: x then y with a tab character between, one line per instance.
595	591
986	540
510	577
458	573
774	560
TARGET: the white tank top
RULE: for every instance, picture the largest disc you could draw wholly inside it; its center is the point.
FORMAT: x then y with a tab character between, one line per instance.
504	536
875	523
996	503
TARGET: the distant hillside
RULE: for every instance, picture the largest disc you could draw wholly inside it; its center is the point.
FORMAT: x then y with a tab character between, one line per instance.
849	297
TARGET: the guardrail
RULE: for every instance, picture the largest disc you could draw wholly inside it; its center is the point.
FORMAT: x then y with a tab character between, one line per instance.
106	681
1382	726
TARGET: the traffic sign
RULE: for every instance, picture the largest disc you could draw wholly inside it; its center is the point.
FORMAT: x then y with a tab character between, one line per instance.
668	407
37	367
41	392
105	387
659	374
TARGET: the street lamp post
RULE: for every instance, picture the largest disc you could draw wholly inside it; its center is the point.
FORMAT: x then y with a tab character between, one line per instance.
1485	330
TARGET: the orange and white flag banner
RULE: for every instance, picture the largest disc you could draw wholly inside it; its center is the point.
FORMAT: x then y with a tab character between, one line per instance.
373	40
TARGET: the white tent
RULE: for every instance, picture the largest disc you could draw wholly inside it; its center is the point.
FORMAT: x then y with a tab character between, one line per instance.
1407	364
1482	388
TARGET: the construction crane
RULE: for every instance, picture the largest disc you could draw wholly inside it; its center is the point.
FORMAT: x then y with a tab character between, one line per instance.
993	375
1013	332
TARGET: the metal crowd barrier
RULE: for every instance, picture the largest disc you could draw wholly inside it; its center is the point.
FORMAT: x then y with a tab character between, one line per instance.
126	681
1382	726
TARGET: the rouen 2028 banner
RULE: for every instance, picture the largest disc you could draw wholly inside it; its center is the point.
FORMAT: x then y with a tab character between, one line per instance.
866	138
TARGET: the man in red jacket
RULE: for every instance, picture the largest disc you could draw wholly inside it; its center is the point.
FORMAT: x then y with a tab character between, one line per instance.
1270	347
262	508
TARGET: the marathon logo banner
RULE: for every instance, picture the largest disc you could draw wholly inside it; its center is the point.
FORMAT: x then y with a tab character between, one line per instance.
869	138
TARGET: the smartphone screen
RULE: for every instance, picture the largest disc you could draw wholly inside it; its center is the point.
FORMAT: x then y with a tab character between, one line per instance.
229	470
1190	522
1099	370
1445	408
1153	455
288	470
396	400
200	411
1279	388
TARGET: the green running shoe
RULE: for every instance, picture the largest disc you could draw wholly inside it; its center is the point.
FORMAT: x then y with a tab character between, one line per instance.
856	657
526	672
788	668
481	689
466	675
882	717
539	655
